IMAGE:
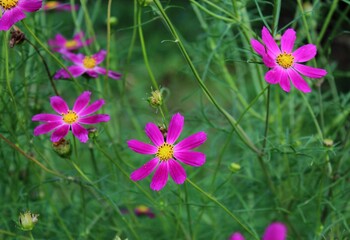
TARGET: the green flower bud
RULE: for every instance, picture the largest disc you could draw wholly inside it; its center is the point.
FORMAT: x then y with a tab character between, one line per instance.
112	21
328	142
145	3
92	133
27	220
62	148
156	100
234	167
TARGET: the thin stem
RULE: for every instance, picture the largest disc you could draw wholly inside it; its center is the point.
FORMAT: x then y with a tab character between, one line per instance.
81	172
213	199
188	212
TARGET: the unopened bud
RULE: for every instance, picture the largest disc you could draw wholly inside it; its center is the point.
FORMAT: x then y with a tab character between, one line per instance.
145	3
17	37
27	220
92	133
62	148
112	21
234	167
156	100
328	142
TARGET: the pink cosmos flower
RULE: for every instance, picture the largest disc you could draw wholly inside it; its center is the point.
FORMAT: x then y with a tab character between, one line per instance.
284	63
86	65
167	154
13	11
56	5
70	119
275	231
62	45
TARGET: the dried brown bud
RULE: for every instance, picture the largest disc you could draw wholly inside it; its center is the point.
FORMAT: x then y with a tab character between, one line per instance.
17	37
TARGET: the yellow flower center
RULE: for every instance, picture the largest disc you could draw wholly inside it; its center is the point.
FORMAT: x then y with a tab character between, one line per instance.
285	60
70	117
51	4
71	44
89	62
165	151
142	209
8	4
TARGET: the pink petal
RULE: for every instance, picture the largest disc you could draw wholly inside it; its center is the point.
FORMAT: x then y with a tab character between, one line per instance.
92	108
45	128
175	128
195	159
60	133
310	72
269	61
270	42
81	102
92	73
111	74
284	81
75	58
95	119
305	53
275	231
154	134
141	147
177	172
258	47
191	142
80	132
274	75
47	117
59	105
237	236
10	17
160	177
100	56
298	81
145	170
288	40
30	5
76	71
78	36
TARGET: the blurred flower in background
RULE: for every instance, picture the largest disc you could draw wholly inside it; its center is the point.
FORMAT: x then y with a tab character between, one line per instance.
56	5
275	231
62	45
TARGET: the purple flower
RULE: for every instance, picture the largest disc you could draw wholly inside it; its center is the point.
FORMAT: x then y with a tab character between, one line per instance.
86	65
167	154
62	45
275	231
70	119
56	5
13	11
284	63
142	210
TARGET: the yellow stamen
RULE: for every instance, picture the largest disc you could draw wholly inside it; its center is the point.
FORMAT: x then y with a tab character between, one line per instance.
165	151
70	117
89	62
285	60
71	44
51	4
8	4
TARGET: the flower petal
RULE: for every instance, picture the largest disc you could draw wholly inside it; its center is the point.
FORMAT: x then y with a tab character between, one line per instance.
258	47
10	17
269	61
160	177
95	119
270	43
274	75
175	128
92	108
237	236
45	128
80	132
141	147
284	81
111	74
30	6
154	134
310	72
59	105
191	142
60	132
298	81
47	117
305	53
195	159
145	170
177	172
275	231
100	56
76	71
288	40
81	102
92	73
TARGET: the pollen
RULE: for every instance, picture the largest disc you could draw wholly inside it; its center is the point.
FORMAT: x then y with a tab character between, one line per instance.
71	44
165	151
89	62
70	117
285	60
8	4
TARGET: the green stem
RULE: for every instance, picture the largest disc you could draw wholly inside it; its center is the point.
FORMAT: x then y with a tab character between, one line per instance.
213	199
327	21
319	131
81	173
188	212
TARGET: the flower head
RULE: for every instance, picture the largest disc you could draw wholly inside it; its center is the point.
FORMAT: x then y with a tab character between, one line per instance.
167	154
86	65
62	45
285	63
56	5
70	119
13	11
142	210
27	220
275	231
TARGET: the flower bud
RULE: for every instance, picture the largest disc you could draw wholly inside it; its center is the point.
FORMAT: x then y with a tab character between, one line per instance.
27	220
62	148
92	133
234	167
328	142
145	3
17	37
113	21
156	100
